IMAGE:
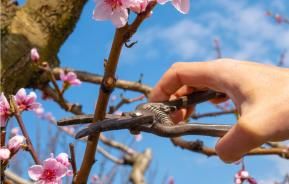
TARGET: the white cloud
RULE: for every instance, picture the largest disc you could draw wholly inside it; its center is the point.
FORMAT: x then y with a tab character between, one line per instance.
245	33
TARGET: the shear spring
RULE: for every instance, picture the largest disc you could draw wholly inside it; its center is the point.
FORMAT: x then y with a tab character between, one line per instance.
160	115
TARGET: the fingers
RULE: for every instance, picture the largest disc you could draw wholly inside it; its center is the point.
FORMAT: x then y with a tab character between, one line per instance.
238	141
183	113
195	74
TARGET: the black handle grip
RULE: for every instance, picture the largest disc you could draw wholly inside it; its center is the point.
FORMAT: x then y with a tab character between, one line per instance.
195	98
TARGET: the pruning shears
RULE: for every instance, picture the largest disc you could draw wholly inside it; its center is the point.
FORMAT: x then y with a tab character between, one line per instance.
153	118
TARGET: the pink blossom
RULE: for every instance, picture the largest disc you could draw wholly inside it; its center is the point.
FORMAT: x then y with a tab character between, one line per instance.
26	102
15	143
139	6
182	6
69	129
63	159
50	172
39	111
48	116
278	18
15	131
69	78
171	180
114	10
4	153
34	55
138	137
4	110
96	180
242	176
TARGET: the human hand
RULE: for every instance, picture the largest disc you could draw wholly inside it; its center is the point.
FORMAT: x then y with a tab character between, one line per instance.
260	93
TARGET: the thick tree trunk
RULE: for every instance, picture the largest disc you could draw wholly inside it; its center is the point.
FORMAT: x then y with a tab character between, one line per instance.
39	23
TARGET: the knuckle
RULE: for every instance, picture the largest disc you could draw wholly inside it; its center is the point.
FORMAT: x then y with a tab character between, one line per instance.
177	65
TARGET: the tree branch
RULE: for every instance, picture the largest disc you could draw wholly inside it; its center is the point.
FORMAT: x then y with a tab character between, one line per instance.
18	117
41	24
108	83
140	164
124	101
198	146
116	144
15	178
74	108
97	79
109	156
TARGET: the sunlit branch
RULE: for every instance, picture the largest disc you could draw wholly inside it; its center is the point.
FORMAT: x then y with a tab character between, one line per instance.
124	101
122	35
199	147
97	79
18	117
72	159
15	178
109	156
74	108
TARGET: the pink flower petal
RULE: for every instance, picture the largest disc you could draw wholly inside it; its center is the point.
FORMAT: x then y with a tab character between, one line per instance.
71	76
21	94
4	153
54	165
162	2
4	110
138	137
102	11
50	163
75	82
15	131
138	6
35	172
63	159
69	173
119	17
182	6
4	102
31	97
62	75
15	142
34	55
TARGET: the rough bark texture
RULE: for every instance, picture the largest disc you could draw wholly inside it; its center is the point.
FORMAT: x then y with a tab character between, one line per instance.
139	167
39	23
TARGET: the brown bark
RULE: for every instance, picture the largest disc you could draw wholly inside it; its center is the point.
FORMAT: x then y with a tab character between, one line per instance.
39	23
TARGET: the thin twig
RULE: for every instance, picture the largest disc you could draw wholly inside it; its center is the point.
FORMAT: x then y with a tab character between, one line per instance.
217	48
72	159
18	117
59	93
97	79
198	146
124	101
282	58
15	178
74	108
109	156
3	136
116	145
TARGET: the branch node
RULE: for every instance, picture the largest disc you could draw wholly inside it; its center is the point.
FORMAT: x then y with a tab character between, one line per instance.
107	84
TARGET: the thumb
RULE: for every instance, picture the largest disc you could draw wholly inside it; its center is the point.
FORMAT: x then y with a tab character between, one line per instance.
238	141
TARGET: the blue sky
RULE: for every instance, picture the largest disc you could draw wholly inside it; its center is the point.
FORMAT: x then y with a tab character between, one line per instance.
166	37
